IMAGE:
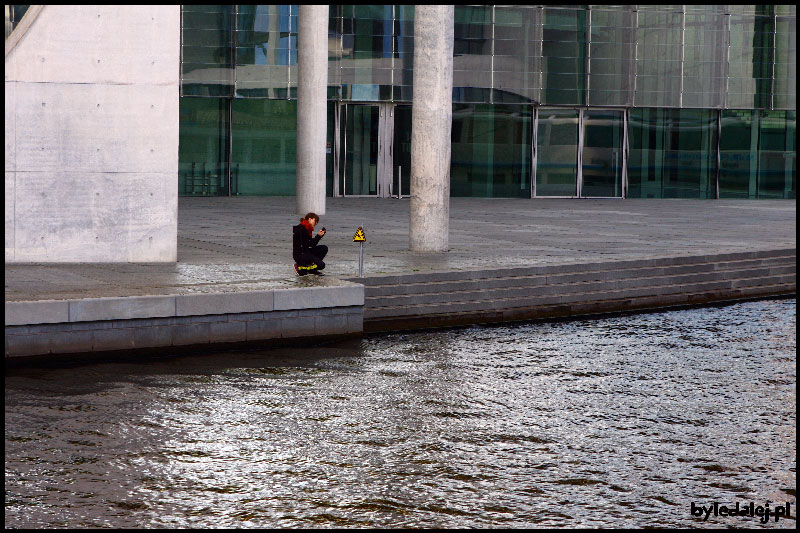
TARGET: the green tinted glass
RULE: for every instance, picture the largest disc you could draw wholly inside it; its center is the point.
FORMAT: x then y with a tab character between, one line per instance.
557	153
564	56
264	152
738	154
777	153
361	150
672	153
207	50
203	147
491	151
602	153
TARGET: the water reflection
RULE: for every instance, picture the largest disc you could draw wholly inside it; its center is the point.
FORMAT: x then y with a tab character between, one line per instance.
615	422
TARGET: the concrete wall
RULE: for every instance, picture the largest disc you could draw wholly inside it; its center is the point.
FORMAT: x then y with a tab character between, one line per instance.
87	325
91	136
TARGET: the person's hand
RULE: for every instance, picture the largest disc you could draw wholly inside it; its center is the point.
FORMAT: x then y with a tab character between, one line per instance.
321	232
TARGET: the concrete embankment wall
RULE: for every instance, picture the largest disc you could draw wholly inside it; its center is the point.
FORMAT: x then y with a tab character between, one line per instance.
176	323
425	300
60	329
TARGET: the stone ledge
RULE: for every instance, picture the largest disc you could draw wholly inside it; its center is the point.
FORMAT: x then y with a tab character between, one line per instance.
30	313
41	312
169	332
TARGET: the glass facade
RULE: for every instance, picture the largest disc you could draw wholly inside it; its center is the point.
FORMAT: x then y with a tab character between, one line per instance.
672	153
13	15
548	101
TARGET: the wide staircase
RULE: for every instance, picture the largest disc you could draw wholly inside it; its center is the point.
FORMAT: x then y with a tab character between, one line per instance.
435	299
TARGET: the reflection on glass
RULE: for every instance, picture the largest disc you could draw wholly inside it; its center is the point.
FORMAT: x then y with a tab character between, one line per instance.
13	15
557	153
266	50
564	56
658	65
361	150
777	154
704	59
491	151
757	154
207	52
738	154
602	153
401	171
517	54
672	153
611	56
785	83
329	149
750	57
264	152
203	147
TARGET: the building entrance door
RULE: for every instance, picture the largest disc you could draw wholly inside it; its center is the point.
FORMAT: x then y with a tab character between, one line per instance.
369	164
580	153
603	153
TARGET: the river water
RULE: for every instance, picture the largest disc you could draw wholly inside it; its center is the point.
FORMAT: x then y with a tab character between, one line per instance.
621	421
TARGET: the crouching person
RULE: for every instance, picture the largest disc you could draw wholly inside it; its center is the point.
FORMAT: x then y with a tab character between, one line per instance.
306	250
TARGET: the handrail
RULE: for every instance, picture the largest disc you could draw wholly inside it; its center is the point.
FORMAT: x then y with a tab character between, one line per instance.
22	27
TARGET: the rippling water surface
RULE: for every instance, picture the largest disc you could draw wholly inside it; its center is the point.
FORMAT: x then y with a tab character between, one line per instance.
613	422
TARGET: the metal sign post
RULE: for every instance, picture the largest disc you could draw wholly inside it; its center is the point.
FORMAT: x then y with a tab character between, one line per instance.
360	238
361	261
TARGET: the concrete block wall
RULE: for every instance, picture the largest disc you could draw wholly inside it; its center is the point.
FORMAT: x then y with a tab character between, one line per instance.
91	136
168	333
167	322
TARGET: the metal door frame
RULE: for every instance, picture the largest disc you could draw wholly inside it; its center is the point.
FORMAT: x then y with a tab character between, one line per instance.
535	141
623	186
384	172
579	175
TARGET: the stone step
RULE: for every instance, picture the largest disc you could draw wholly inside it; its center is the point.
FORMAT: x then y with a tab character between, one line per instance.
724	288
548	311
487	291
503	281
538	270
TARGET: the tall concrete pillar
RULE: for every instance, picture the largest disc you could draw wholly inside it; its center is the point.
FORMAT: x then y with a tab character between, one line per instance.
312	111
431	122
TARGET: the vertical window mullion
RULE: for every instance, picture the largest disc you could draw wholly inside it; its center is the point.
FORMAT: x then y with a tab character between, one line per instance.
579	181
534	138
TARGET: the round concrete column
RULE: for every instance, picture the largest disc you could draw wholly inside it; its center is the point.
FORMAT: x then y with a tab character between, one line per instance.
312	111
431	121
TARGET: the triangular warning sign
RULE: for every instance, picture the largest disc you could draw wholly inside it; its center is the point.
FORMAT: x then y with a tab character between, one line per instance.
359	236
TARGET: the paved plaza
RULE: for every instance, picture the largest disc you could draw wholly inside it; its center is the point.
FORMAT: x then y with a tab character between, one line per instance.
242	244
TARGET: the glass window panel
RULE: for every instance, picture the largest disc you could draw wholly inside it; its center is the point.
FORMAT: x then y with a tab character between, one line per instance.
658	67
738	154
564	56
266	50
602	153
329	148
611	58
264	147
205	21
361	150
557	153
672	153
751	57
777	154
491	151
202	150
206	51
785	89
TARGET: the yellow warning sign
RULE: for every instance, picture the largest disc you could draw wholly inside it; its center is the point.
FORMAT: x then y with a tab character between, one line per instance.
359	236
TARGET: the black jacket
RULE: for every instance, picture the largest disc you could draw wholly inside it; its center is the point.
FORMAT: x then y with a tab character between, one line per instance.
302	242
